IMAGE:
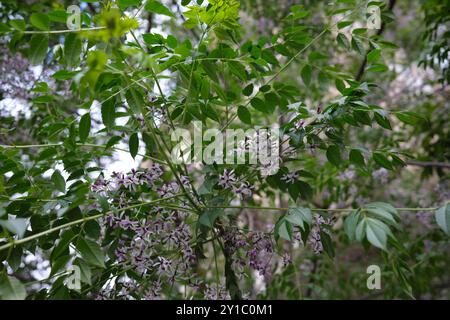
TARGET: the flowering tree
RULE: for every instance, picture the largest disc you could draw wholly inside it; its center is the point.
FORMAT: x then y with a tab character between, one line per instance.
313	85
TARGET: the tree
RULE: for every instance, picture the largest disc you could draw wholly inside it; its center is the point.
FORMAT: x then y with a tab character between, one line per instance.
331	159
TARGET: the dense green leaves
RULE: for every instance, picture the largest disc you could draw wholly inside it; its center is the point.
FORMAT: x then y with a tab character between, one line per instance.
372	222
340	123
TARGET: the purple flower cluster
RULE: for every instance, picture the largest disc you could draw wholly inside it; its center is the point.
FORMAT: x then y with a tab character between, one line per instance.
290	177
155	246
315	239
228	180
257	247
130	181
261	253
216	292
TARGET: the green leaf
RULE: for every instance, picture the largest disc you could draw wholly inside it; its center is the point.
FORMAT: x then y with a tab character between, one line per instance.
91	252
18	24
334	155
373	55
350	223
59	264
382	120
358	46
209	217
248	90
244	115
63	245
382	160
327	243
360	230
299	216
17	226
123	4
134	145
135	100
259	105
376	233
11	288
305	189
158	8
284	230
58	181
387	207
84	127
356	157
442	216
380	211
409	117
38	48
306	74
108	114
72	50
64	74
85	271
40	21
377	68
342	40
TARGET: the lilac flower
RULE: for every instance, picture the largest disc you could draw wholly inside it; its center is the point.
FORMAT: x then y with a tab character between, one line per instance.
121	254
347	175
102	295
119	179
290	177
111	220
216	292
425	218
126	223
154	291
315	239
381	175
287	260
299	124
165	265
260	254
227	179
101	186
168	190
244	190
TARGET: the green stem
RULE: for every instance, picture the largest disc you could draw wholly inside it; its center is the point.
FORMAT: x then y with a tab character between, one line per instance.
75	222
313	209
63	31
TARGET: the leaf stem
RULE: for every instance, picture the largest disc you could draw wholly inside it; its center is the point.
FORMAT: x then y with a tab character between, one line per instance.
313	209
75	222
